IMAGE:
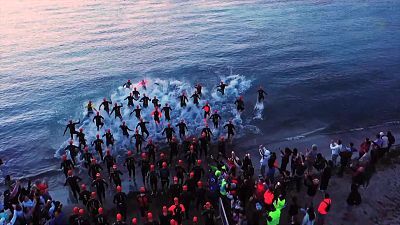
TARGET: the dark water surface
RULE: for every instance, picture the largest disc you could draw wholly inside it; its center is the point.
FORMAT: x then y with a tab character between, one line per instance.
327	65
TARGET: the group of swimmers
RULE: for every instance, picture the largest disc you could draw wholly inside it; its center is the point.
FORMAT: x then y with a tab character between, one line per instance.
185	162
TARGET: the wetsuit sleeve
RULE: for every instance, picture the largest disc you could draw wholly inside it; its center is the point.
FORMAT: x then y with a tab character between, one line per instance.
65	130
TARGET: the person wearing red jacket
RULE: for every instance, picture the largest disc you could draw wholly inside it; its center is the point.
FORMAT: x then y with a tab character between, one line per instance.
323	209
269	198
177	210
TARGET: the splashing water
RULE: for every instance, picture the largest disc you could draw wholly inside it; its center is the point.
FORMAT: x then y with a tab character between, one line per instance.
168	91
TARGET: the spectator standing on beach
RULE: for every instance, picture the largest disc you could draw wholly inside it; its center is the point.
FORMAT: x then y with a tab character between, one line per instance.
265	154
364	147
323	209
309	217
336	147
311	155
326	176
354	197
391	139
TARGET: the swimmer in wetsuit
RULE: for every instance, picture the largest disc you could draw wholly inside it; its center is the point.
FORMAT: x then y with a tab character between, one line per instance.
182	128
261	94
109	138
196	98
99	121
145	101
167	111
198	88
128	84
135	94
207	110
221	87
106	105
117	110
98	145
125	129
71	126
143	128
130	99
183	99
239	104
137	112
90	108
215	117
156	115
231	129
155	102
169	131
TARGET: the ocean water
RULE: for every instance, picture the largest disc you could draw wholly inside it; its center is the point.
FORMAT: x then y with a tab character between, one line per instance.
328	66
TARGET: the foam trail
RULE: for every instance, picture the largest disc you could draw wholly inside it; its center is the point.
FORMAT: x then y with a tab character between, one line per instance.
168	91
258	110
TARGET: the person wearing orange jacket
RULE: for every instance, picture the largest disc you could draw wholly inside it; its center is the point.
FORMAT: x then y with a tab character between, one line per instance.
323	209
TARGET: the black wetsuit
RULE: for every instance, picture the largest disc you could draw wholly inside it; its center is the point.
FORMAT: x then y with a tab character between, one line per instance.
155	102
215	117
130	100
99	121
101	219
208	133
173	145
106	105
221	88
127	84
152	177
239	104
182	129
110	161
261	93
180	173
143	128
87	157
73	182
167	111
93	206
100	185
121	200
151	150
98	146
169	131
82	140
138	142
231	129
183	99
137	112
145	101
84	196
66	165
125	130
156	116
221	149
135	94
109	138
196	98
130	166
164	177
145	167
71	127
73	149
94	168
115	177
198	88
203	145
117	111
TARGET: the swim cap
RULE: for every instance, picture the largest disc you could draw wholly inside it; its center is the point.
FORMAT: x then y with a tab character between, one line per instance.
100	210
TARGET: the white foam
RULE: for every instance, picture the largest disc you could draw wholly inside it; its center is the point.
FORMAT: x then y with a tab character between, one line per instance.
168	91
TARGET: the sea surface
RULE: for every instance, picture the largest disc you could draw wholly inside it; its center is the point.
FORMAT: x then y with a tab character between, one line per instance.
328	66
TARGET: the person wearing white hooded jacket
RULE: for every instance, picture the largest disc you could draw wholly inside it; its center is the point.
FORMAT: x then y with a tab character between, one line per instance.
265	154
336	148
